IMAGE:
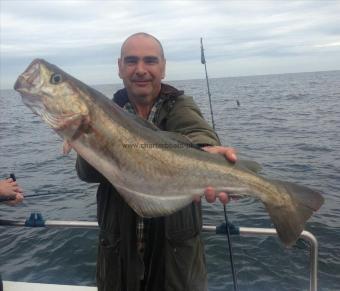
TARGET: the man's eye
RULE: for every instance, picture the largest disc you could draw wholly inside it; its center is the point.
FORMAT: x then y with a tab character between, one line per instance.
151	60
130	60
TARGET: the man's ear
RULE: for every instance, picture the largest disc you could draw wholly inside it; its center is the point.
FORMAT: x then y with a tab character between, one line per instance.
163	68
120	67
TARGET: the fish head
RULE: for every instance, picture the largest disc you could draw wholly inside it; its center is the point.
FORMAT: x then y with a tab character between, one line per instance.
52	94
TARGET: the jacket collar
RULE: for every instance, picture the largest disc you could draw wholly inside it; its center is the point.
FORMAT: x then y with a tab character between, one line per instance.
167	92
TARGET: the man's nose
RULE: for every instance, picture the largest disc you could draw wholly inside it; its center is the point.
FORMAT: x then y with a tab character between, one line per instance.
140	68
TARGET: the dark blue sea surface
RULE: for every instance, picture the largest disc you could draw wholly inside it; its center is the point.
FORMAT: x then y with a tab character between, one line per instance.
289	123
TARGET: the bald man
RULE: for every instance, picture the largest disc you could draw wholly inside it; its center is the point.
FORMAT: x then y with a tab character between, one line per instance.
164	253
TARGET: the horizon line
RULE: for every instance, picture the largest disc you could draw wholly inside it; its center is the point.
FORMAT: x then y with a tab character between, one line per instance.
226	77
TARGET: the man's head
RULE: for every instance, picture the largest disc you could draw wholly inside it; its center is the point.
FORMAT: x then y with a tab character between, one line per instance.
142	67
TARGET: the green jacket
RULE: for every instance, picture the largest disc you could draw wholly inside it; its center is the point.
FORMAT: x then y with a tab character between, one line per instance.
174	253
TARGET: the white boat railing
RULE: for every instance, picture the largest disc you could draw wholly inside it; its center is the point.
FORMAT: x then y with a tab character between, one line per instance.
305	235
36	220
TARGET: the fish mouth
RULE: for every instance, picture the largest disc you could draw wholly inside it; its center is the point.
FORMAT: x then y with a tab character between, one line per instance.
29	78
26	83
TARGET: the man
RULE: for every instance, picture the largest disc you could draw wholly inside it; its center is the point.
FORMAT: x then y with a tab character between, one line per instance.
10	188
163	253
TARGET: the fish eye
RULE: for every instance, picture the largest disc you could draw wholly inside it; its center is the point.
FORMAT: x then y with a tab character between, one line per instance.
56	78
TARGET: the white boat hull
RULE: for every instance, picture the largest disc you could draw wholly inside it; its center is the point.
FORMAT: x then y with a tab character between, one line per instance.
23	286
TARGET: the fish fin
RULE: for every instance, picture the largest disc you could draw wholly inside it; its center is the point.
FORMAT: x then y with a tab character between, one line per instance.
149	207
174	136
252	166
60	121
146	205
139	120
290	220
244	165
180	138
66	147
83	127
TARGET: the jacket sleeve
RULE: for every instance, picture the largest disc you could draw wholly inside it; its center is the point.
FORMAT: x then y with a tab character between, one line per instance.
86	172
186	118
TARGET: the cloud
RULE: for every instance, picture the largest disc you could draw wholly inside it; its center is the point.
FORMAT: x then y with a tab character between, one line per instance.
331	44
87	34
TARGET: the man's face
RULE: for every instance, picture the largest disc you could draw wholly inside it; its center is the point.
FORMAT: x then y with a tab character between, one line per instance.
142	67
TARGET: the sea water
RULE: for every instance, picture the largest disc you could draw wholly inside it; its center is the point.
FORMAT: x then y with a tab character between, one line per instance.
289	123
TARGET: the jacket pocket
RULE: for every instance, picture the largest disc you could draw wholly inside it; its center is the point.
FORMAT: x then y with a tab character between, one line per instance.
184	224
185	268
185	265
109	277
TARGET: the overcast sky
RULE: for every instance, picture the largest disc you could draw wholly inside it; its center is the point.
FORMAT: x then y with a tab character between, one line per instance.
240	37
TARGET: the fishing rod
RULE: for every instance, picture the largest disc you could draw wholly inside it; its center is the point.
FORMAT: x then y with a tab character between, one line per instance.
206	77
203	61
12	197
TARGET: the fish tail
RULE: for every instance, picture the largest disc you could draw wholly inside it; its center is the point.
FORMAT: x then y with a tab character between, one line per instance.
289	217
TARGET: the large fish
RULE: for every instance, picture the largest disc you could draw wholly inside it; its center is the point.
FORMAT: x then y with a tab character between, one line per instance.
156	172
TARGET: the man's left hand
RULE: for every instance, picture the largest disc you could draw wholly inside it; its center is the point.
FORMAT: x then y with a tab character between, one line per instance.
209	192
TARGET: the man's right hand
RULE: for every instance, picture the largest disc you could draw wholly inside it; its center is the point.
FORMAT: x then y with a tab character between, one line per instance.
10	188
